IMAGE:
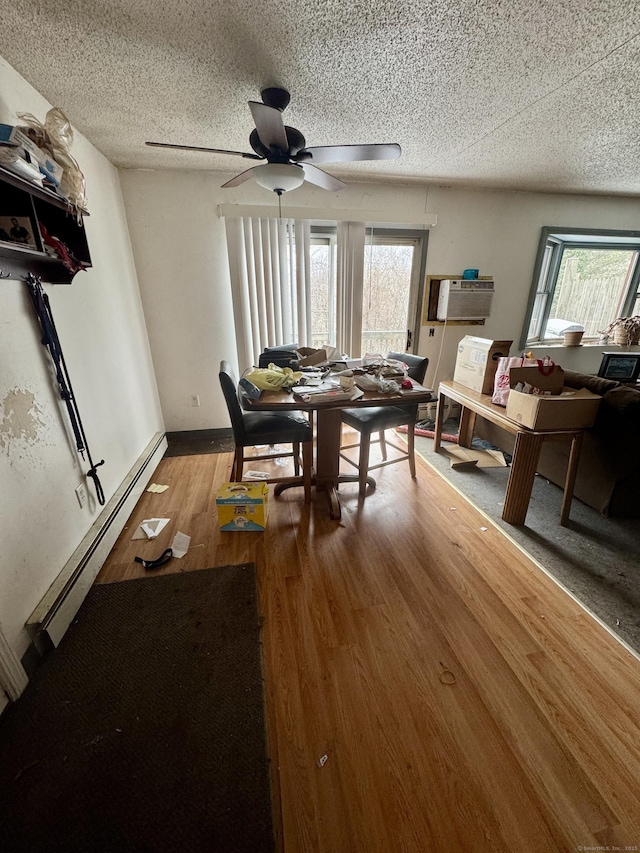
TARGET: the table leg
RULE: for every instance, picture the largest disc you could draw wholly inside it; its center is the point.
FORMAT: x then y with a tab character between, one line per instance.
327	473
437	431
520	483
328	433
572	470
467	426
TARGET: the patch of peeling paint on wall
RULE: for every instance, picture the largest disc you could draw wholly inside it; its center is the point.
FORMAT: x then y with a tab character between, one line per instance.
21	421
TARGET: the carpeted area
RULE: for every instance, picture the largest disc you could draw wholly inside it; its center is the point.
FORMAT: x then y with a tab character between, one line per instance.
145	731
595	558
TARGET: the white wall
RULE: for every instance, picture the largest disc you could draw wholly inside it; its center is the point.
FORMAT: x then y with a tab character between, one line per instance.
498	233
101	326
180	251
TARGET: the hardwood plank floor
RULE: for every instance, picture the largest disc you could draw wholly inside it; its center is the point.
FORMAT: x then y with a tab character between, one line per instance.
534	746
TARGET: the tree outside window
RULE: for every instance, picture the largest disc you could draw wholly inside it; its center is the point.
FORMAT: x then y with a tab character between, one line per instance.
391	278
583	278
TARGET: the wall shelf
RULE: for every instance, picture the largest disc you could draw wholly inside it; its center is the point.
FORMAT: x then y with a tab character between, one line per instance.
34	208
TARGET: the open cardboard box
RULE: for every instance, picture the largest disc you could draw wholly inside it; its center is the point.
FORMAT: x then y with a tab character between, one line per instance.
310	357
571	409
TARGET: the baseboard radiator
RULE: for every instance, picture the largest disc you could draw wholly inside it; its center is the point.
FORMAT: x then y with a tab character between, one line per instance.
53	615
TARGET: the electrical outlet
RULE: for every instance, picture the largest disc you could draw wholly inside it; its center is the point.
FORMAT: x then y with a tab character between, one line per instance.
195	400
432	332
81	494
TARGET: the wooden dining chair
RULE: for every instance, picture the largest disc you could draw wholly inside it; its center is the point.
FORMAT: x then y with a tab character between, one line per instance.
377	419
255	428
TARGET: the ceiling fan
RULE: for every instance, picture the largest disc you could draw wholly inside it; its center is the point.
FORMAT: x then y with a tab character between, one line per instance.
289	161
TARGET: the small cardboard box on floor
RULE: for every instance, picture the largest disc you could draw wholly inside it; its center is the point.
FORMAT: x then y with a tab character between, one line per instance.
243	506
477	362
571	409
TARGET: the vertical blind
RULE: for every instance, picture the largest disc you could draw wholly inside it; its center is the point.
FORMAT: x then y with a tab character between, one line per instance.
264	302
270	270
350	276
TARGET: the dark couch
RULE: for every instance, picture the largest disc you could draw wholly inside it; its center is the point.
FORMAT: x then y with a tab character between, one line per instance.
608	476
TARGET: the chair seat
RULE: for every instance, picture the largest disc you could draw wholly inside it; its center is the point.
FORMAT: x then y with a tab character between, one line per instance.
251	429
275	428
370	419
376	418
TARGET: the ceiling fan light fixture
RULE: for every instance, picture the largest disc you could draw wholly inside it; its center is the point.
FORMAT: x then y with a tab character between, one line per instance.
279	177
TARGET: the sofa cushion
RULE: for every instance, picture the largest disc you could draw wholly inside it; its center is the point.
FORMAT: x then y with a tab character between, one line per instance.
592	383
625	400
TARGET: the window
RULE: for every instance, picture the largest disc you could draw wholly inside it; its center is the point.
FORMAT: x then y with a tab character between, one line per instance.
583	279
323	288
392	268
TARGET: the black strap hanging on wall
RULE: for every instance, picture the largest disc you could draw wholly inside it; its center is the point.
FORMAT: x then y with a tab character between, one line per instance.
51	341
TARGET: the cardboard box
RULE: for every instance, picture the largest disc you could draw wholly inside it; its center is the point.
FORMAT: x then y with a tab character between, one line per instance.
242	506
569	410
477	362
310	357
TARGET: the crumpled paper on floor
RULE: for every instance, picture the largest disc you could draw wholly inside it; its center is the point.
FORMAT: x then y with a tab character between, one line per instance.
180	544
150	527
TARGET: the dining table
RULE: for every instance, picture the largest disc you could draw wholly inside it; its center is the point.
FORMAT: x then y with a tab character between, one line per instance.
326	412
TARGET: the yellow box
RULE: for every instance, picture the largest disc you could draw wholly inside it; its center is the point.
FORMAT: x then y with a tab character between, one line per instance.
569	410
243	506
477	362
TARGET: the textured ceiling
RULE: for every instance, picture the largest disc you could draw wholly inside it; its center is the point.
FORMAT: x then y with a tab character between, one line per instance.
500	93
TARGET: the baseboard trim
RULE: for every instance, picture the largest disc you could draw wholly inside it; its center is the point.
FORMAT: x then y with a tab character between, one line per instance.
53	615
13	678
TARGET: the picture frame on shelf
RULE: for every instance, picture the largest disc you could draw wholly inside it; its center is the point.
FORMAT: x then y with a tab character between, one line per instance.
17	230
620	366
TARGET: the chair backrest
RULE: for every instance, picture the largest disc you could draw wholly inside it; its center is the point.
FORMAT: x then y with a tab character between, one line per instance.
417	366
230	390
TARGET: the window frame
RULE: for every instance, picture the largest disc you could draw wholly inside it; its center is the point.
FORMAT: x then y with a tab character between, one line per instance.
550	251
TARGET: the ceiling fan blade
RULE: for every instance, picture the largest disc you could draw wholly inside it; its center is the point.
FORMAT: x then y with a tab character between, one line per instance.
350	153
321	179
209	150
239	179
269	125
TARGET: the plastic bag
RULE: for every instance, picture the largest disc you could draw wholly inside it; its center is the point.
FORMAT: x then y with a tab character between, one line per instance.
56	137
501	383
384	367
373	382
273	378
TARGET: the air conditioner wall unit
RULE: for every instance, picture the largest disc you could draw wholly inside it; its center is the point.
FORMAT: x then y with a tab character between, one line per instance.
465	299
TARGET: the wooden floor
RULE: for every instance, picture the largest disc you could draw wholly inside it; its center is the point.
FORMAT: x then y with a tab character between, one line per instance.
535	746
